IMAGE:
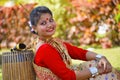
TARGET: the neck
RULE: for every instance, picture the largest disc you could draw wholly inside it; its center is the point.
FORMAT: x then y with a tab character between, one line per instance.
45	39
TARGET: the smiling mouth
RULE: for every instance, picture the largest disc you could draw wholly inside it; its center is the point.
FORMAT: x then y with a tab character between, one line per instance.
50	30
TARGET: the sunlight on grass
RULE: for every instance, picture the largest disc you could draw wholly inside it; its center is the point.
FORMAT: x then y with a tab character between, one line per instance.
0	76
2	51
113	55
0	73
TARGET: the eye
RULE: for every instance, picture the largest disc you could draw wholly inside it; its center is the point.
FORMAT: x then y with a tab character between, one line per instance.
51	20
43	23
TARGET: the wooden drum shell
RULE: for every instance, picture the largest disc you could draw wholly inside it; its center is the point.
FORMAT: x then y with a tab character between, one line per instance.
17	65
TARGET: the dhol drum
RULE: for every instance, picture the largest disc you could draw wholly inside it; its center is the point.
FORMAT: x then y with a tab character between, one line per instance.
17	65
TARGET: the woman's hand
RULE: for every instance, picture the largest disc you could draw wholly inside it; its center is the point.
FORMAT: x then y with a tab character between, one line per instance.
104	65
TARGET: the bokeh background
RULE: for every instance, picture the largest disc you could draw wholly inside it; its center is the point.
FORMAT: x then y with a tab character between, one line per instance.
90	24
84	23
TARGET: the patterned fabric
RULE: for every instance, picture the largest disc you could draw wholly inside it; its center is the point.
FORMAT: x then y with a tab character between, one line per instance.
114	75
61	48
46	74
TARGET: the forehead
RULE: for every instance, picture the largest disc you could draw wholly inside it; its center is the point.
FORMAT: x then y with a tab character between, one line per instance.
44	16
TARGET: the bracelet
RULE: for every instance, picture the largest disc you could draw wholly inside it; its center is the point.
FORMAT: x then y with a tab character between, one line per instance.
94	71
98	57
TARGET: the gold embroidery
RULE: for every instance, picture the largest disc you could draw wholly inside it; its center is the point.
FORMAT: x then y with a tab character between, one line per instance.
61	48
44	73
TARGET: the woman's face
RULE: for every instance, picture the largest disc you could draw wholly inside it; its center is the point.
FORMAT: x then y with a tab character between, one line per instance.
46	26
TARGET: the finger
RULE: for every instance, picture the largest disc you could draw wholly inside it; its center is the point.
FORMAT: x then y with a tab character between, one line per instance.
105	66
100	64
109	66
108	69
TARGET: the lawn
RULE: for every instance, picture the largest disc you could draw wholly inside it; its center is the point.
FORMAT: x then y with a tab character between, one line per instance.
112	54
0	73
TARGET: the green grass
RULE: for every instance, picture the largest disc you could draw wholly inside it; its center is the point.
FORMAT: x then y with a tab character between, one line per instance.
113	55
0	73
1	51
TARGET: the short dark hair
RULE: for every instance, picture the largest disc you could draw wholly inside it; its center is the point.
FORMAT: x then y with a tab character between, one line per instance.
36	14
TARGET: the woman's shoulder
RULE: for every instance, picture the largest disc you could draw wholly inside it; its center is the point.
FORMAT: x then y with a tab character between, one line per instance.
43	46
44	49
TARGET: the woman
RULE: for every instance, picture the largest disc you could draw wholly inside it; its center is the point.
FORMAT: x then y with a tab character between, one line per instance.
52	60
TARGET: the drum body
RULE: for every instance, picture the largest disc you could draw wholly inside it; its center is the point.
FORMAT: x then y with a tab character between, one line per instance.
17	65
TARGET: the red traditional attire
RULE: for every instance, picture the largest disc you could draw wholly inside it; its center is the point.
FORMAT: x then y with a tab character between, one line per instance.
53	60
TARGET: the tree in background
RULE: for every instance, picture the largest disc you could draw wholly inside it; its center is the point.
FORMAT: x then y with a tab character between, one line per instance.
13	25
95	23
81	22
16	23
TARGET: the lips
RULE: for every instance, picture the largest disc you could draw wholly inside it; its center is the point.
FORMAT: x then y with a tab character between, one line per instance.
50	30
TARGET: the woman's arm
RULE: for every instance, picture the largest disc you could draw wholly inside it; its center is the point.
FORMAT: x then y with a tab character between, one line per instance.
52	60
90	55
77	53
48	57
103	66
82	75
103	62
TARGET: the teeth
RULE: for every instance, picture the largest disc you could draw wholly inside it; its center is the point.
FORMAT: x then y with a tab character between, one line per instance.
50	30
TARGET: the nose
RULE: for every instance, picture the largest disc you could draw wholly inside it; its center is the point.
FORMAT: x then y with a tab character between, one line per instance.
49	25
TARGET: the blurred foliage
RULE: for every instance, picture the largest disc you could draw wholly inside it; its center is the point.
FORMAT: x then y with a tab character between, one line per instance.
117	17
3	2
95	23
13	25
58	8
